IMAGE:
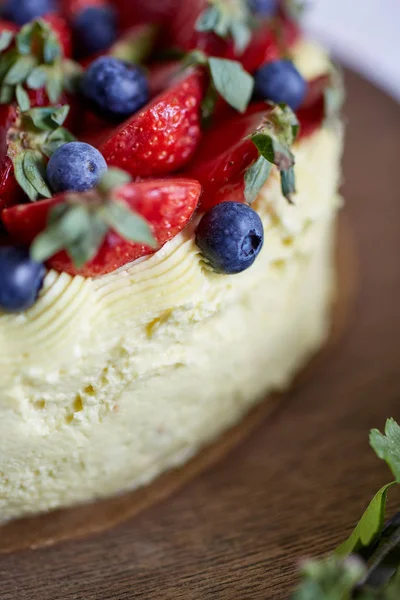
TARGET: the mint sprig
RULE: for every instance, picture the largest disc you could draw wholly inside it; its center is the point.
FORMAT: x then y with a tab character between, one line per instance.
35	136
80	224
228	19
387	447
31	58
273	142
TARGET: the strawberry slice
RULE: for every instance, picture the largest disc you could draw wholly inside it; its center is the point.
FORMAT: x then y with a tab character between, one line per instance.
164	135
166	205
223	157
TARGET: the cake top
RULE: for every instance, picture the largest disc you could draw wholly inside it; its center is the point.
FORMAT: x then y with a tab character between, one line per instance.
123	121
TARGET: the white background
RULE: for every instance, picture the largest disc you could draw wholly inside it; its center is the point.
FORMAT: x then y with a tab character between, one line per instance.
364	34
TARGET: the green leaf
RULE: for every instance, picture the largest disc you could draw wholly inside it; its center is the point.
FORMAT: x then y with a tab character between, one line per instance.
369	526
47	118
228	19
86	246
255	178
55	85
208	105
387	446
113	179
129	224
22	179
6	94
20	70
22	98
72	74
329	579
232	82
56	139
37	78
6	38
66	226
51	49
34	166
24	38
288	183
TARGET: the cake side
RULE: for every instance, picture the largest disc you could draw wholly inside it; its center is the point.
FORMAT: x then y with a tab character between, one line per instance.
107	382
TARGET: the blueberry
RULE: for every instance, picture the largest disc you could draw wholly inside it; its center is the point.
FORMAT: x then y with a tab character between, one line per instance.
23	11
115	89
280	81
263	8
75	166
20	279
230	236
95	29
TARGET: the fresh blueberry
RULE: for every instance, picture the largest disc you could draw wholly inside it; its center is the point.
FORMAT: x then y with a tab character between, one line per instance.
280	81
75	166
20	279
95	29
230	236
263	8
115	89
23	11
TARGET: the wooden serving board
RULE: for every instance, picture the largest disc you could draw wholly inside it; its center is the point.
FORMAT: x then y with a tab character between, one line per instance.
298	483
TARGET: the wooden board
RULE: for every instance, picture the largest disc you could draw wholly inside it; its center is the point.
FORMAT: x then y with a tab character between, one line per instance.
297	485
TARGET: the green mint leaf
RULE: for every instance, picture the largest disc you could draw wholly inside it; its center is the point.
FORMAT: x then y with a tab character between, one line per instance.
6	94
113	179
387	446
329	579
22	179
37	78
138	47
22	98
208	20
20	70
6	37
288	183
255	178
34	166
369	526
6	60
129	224
232	82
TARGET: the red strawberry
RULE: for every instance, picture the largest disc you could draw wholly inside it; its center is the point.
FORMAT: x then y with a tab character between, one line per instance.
8	26
167	205
223	157
150	11
313	111
164	135
10	192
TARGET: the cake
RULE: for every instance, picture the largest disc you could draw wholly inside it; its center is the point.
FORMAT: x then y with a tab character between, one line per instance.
209	284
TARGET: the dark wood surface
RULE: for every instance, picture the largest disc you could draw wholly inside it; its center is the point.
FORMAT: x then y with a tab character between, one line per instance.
296	487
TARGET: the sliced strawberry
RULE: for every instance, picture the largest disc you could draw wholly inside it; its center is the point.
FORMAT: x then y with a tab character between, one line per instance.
312	113
163	136
223	157
167	205
10	192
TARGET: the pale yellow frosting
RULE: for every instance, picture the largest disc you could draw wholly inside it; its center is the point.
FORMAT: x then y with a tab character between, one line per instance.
106	382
